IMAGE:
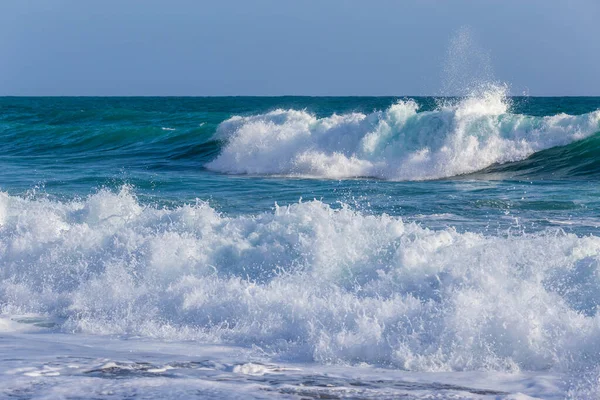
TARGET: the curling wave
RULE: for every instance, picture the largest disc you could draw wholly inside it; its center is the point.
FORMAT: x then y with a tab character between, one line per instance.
578	159
304	282
399	143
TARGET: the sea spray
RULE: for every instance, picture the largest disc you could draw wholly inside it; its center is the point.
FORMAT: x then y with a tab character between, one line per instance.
467	68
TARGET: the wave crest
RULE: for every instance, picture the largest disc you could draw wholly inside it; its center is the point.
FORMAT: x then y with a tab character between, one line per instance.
399	143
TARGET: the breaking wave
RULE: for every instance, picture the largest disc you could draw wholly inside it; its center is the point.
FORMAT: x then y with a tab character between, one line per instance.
400	143
304	282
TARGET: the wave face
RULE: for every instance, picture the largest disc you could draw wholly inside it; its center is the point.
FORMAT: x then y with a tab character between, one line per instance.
400	143
305	282
578	159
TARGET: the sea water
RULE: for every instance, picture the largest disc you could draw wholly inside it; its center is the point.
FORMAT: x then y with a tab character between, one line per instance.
300	247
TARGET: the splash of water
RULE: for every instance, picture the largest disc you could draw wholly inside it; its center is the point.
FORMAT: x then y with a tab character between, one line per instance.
468	67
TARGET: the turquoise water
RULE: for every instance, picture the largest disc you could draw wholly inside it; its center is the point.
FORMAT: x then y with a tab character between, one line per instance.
415	235
65	148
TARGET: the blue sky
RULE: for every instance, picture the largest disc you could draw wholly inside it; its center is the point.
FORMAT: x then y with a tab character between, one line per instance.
278	47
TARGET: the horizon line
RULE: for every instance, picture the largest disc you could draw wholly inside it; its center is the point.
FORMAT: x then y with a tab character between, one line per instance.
271	96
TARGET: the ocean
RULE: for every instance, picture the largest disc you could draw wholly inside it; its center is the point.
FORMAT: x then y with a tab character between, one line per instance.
300	247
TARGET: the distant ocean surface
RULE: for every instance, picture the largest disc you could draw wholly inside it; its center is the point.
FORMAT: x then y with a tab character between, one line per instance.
300	247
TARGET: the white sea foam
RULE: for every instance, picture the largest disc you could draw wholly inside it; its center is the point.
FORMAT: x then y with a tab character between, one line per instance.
399	143
305	282
49	366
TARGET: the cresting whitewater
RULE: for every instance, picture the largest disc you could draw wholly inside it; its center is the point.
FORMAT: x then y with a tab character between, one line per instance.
300	247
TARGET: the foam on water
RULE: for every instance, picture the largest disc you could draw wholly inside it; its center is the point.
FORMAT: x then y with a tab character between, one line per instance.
399	143
305	283
100	367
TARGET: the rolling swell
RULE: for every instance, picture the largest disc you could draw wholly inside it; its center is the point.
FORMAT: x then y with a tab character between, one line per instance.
107	133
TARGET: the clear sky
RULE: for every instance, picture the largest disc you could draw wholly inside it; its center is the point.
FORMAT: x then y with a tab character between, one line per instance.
296	47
